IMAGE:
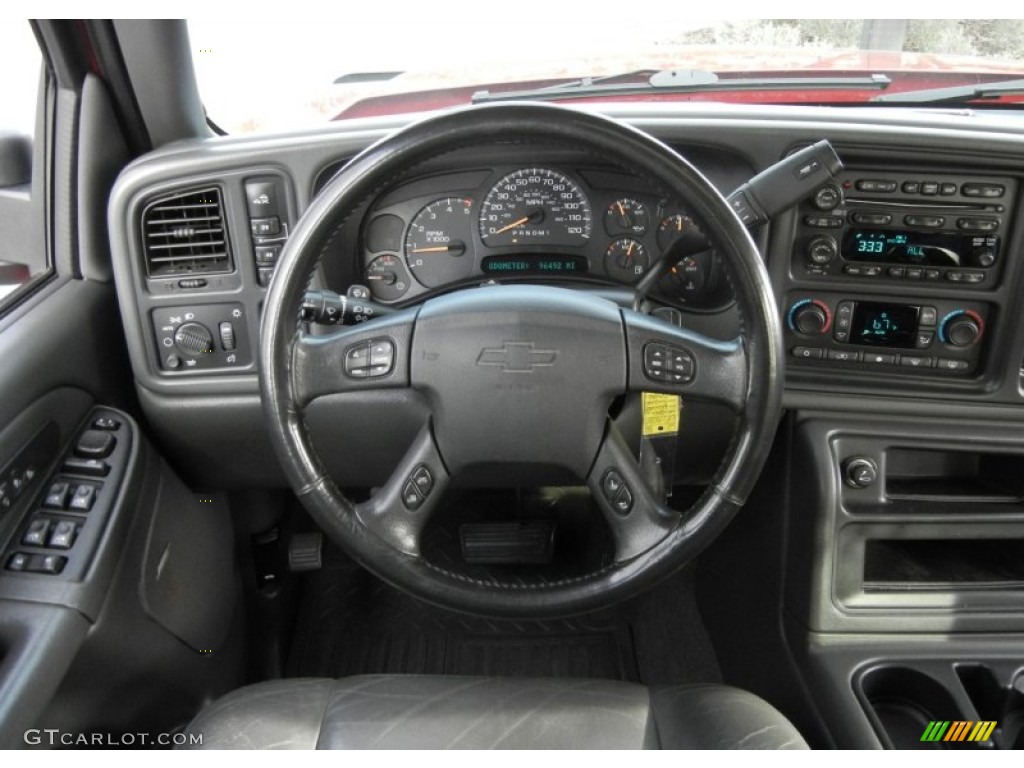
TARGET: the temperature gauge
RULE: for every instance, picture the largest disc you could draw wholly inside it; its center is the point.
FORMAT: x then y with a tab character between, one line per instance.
671	227
387	277
626	259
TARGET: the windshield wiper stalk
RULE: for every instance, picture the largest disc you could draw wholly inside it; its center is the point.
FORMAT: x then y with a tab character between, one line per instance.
681	81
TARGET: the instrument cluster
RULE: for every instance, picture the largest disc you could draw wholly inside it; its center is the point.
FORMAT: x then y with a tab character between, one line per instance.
543	223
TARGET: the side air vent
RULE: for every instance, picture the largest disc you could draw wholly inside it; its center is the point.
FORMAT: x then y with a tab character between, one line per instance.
186	235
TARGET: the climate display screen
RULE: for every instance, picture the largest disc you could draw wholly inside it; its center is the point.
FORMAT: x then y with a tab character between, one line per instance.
534	264
884	325
931	249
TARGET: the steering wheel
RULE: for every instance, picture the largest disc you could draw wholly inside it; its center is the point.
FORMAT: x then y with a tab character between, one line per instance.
521	376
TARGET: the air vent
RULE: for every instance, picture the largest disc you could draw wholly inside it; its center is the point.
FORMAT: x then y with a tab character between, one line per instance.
186	235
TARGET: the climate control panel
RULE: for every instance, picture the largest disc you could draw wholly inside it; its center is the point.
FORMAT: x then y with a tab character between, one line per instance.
202	337
912	335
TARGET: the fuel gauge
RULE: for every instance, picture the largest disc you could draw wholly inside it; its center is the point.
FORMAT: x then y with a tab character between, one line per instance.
626	260
387	277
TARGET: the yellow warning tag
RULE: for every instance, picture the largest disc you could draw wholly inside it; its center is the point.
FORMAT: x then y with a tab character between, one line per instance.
661	414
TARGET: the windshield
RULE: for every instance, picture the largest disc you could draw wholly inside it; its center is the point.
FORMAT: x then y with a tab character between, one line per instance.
259	76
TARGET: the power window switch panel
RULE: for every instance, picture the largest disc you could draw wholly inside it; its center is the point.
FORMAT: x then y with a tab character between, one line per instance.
18	562
36	534
51	564
95	444
57	496
90	467
63	535
83	498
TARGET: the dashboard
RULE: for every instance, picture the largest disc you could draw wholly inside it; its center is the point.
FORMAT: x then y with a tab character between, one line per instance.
896	282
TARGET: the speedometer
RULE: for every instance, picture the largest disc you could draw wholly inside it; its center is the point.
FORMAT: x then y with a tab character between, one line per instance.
535	206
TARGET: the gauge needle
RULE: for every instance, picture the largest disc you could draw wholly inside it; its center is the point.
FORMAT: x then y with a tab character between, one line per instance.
535	216
454	247
629	253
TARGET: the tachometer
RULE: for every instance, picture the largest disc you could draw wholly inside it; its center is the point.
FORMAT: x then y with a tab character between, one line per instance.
435	248
535	206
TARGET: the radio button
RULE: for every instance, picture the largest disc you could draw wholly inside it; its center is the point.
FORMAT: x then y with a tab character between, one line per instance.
954	276
843	355
982	190
914	273
927	222
871	271
924	339
872	218
930	188
978	225
828	197
911	187
949	364
915	361
808	353
876	185
947	189
932	274
974	277
928	316
879	358
853	269
895	272
823	222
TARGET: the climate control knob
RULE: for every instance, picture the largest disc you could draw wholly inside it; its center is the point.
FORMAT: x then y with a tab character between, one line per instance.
961	328
194	339
810	317
822	249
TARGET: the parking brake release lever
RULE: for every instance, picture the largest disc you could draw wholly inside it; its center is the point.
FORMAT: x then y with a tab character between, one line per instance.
774	189
329	308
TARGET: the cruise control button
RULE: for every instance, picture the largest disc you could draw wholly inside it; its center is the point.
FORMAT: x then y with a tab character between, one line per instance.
950	364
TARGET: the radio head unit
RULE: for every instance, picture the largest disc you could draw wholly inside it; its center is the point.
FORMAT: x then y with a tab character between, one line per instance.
905	226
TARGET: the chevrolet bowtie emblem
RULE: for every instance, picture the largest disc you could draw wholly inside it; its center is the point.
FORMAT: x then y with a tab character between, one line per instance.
517	357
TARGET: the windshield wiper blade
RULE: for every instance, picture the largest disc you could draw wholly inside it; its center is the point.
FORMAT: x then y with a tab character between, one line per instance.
955	94
681	81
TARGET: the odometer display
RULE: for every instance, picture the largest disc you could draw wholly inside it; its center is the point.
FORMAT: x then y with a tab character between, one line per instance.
535	206
534	264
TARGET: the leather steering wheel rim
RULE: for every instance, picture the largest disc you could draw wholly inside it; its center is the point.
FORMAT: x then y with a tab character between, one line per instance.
759	344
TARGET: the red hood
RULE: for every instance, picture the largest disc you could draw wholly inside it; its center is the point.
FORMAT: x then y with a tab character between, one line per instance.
907	71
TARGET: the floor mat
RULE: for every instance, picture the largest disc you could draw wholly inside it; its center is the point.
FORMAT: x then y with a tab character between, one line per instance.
352	623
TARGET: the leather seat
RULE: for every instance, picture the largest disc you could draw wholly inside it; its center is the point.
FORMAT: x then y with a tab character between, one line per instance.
427	712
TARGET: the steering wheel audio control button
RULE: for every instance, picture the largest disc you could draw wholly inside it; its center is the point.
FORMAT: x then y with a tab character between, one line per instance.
423	480
667	363
411	496
612	484
370	359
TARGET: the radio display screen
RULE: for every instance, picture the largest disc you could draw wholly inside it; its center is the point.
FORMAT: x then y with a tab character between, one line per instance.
534	264
931	249
884	325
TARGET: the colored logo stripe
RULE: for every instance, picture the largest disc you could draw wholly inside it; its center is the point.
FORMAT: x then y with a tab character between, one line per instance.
959	730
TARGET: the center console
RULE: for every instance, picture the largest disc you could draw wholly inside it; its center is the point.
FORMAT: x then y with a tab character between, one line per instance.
897	272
